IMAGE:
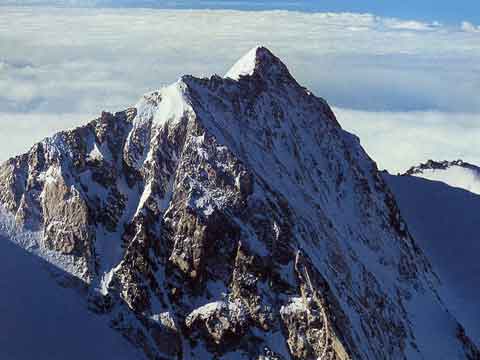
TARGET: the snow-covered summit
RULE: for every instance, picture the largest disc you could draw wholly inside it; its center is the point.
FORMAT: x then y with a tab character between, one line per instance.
258	60
245	66
455	173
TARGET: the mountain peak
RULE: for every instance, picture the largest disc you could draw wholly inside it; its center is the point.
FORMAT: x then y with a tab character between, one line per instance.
258	60
217	201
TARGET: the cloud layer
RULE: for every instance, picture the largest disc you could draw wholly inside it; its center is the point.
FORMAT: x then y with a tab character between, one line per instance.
399	140
81	61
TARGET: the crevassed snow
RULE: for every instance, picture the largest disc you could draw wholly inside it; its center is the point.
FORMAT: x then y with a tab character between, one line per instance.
457	176
245	66
445	222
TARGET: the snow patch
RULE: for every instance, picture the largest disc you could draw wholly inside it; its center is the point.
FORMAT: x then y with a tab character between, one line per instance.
234	310
95	153
51	175
168	104
166	319
295	305
245	66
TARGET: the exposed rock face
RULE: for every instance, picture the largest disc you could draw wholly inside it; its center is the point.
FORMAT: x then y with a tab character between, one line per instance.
233	218
439	165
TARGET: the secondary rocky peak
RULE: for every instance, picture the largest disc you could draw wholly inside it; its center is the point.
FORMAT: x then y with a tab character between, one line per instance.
260	61
440	165
456	173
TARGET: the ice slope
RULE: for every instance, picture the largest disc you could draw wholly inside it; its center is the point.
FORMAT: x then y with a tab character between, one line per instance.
44	321
445	221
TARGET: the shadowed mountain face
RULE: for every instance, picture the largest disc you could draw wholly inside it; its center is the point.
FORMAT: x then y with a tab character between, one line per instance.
232	218
42	320
445	221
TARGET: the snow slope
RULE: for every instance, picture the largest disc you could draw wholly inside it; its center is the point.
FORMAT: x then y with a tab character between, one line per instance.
41	320
243	67
445	221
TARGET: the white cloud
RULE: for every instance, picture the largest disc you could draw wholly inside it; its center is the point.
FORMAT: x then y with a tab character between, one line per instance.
469	27
399	140
20	131
397	24
83	61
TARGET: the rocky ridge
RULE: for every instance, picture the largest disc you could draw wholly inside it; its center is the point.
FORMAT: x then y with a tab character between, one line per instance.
439	165
455	173
232	218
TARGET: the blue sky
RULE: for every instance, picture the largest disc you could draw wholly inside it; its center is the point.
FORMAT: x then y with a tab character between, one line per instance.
444	11
426	10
